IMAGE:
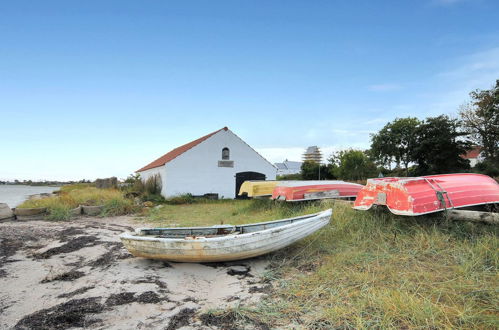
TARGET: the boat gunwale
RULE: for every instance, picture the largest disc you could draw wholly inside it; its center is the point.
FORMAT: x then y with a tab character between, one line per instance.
313	216
414	214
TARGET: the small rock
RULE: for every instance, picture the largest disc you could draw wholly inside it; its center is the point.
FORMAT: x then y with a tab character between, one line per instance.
5	212
238	270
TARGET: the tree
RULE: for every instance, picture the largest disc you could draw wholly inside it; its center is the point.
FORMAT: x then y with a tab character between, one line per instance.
439	146
352	165
311	170
395	142
480	119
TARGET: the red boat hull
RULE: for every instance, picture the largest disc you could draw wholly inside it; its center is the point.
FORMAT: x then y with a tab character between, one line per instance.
427	194
293	191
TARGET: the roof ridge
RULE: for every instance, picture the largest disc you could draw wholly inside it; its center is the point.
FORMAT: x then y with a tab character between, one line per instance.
174	153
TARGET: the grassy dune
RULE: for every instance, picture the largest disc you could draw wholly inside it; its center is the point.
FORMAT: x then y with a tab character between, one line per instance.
366	269
69	197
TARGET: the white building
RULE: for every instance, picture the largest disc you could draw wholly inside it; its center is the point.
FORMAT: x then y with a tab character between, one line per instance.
217	163
288	167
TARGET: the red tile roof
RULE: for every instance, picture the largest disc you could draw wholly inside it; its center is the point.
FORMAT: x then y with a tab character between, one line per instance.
178	151
473	153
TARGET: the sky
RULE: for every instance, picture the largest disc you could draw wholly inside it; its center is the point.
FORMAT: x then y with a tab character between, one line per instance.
94	89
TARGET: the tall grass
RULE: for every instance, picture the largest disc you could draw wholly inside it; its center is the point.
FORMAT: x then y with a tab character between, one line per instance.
70	197
367	269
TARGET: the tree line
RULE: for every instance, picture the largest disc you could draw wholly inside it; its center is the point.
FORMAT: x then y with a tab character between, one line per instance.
412	147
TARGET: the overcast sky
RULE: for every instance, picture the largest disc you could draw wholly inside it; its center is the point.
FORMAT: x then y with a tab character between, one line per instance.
99	88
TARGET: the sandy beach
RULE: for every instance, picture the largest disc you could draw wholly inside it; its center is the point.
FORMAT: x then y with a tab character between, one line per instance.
77	274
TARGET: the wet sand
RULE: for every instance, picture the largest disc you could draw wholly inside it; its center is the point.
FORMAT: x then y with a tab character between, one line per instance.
77	274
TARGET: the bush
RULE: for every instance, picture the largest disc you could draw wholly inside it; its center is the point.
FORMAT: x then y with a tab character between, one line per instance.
183	199
59	213
118	206
153	185
487	167
289	177
153	198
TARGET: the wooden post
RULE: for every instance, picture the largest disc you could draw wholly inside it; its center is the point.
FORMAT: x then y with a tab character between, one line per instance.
488	217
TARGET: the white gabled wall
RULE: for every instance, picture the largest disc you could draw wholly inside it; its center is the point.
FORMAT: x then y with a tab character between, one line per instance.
196	171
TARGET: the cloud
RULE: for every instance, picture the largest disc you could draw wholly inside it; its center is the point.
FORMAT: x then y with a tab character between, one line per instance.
384	87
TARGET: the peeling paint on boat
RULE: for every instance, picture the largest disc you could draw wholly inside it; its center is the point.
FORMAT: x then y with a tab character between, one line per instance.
261	238
428	194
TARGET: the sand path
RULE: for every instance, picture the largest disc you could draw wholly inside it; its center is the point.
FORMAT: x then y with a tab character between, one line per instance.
77	274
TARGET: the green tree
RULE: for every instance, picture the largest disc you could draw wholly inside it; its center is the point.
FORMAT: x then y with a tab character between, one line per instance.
352	165
395	142
311	170
439	146
480	119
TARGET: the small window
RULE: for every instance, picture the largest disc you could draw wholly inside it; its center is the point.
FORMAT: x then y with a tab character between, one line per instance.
225	154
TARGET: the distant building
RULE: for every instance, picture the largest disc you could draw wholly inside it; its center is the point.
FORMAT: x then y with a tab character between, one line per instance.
217	163
288	167
474	155
313	153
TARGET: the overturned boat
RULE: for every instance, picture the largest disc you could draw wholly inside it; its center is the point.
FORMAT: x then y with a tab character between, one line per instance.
294	191
223	242
257	188
428	194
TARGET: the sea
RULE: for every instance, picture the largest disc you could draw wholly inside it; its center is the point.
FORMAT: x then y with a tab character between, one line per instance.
14	195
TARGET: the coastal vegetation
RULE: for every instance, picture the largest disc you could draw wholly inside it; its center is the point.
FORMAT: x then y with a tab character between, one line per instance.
365	269
69	197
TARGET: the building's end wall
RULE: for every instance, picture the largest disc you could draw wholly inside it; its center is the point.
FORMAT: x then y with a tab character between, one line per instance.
197	172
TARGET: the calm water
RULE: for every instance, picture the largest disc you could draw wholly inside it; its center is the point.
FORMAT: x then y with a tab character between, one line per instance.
15	195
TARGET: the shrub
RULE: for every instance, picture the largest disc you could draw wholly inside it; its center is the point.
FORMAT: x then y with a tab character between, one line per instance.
183	199
118	206
153	185
59	213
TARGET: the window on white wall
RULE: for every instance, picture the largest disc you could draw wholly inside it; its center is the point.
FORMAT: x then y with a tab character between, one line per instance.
225	154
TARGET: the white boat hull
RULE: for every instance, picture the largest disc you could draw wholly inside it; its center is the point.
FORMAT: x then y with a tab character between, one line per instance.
228	247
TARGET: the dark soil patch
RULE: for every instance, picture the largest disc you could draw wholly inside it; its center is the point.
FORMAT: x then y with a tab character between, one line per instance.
71	246
69	276
109	257
63	316
148	297
75	292
65	234
8	248
151	279
231	320
181	319
121	299
167	265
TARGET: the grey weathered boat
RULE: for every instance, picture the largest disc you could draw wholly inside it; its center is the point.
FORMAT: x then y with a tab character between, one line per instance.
221	243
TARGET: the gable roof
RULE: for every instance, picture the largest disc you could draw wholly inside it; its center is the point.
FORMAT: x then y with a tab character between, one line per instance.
178	151
473	153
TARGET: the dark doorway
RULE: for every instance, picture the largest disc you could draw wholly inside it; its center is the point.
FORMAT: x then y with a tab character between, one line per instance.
245	176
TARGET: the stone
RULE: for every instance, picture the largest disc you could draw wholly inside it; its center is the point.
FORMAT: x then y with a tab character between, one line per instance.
5	212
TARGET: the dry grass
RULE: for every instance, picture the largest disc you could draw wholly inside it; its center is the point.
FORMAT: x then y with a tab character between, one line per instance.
71	196
369	269
213	212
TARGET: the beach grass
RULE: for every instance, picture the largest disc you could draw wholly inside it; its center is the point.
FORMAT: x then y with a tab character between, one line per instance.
366	269
69	197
